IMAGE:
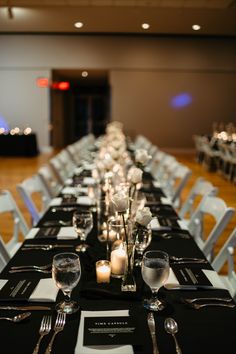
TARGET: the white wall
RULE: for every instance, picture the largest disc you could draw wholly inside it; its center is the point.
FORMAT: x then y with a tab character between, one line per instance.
145	72
24	104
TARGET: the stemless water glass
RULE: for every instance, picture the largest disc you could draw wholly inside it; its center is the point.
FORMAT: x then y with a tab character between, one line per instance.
83	224
66	271
155	272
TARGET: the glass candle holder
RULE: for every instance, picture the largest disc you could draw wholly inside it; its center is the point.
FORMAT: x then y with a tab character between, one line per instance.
103	271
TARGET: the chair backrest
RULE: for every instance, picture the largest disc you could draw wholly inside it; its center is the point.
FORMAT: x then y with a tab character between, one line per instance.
67	161
29	190
220	212
50	180
4	254
226	256
59	169
8	205
200	188
176	178
164	161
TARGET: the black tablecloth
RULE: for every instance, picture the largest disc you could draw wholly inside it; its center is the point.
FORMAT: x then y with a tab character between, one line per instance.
206	331
18	145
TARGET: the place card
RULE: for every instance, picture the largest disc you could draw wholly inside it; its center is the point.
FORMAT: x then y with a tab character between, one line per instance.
111	331
47	232
190	278
59	233
112	349
43	290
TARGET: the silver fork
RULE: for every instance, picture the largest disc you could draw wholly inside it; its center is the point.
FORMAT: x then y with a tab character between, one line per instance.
58	327
199	306
44	329
223	299
43	267
187	259
45	271
177	235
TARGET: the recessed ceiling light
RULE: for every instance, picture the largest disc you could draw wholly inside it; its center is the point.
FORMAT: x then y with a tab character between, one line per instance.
84	73
145	26
196	27
78	24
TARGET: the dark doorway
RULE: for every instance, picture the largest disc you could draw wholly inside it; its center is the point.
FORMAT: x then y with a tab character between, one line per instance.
82	109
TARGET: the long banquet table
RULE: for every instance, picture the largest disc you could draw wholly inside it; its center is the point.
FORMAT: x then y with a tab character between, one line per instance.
208	330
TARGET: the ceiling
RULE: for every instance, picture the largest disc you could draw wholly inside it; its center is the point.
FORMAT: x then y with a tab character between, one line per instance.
166	17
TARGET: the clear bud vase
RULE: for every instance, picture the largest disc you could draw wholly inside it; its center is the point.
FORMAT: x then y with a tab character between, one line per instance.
128	280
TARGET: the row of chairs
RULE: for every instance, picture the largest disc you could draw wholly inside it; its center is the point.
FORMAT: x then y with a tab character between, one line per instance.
217	155
38	190
169	174
201	205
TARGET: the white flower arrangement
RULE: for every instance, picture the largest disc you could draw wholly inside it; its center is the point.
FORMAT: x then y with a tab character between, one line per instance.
141	157
143	216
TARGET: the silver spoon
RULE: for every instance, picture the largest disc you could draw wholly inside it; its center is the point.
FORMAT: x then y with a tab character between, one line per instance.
171	327
56	223
17	318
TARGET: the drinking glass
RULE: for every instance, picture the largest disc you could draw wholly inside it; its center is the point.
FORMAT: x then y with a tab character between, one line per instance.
83	224
142	239
137	202
155	272
66	271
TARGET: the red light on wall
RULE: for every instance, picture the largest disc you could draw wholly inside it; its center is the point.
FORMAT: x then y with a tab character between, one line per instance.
42	82
63	85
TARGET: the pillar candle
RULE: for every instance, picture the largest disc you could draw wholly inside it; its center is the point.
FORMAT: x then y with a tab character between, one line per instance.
118	261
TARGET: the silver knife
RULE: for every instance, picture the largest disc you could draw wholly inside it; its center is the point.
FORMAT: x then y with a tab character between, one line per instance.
46	245
23	308
152	329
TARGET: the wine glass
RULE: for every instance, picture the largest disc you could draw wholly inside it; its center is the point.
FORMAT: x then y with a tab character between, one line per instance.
155	272
66	271
83	224
138	202
142	239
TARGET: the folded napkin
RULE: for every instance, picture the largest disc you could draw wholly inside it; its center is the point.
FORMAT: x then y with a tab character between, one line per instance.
166	200
64	233
216	283
89	180
183	225
155	225
156	184
114	349
81	200
89	166
74	190
45	290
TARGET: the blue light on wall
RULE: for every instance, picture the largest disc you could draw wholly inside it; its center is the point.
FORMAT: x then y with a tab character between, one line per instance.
4	124
181	100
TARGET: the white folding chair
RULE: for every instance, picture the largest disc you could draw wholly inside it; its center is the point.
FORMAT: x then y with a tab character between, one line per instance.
59	169
220	212
8	205
50	180
200	188
67	162
226	256
163	162
4	254
35	196
177	176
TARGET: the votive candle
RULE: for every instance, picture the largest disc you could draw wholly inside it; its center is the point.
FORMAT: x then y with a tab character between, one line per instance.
103	271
